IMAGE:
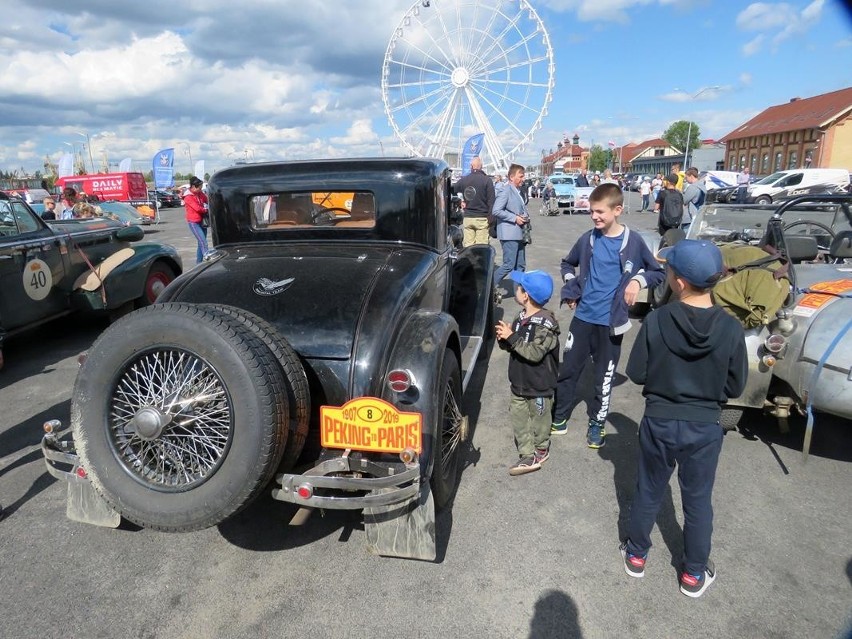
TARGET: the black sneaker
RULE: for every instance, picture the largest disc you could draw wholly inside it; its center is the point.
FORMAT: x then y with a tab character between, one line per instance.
559	428
695	585
596	434
634	565
524	465
541	455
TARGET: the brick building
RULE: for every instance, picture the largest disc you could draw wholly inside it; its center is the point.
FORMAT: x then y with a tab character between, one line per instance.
803	133
568	158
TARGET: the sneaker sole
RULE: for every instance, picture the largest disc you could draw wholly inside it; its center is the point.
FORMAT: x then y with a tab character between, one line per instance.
638	575
596	446
515	471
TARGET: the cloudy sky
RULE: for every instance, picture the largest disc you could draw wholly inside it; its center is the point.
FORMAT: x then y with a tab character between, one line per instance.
282	79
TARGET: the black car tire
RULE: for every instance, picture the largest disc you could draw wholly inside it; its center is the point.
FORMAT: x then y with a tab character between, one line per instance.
296	381
159	276
222	394
450	429
731	417
763	199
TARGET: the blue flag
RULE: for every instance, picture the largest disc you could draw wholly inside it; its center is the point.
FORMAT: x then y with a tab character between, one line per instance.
472	148
164	169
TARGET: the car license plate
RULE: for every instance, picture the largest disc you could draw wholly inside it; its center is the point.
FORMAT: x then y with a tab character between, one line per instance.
370	424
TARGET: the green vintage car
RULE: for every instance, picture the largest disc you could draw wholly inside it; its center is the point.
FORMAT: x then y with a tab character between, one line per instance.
49	269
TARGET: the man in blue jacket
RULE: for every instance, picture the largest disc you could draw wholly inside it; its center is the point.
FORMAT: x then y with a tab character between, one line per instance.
614	265
512	216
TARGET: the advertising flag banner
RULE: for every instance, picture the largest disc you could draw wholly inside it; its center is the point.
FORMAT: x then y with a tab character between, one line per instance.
472	148
124	165
65	166
199	169
164	169
611	144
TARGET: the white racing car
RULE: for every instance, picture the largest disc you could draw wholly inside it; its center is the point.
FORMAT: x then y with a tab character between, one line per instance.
790	284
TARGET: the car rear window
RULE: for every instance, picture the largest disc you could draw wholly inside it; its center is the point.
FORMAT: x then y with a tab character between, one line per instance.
309	209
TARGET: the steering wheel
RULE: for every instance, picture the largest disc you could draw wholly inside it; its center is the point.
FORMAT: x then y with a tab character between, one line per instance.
810	224
327	215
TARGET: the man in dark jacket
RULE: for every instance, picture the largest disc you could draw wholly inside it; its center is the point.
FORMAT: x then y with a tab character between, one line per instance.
478	207
582	180
690	357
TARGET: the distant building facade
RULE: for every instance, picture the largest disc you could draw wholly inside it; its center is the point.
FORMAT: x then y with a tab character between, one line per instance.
567	158
647	158
803	133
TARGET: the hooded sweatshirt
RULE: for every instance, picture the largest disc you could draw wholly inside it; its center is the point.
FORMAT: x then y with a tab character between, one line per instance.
693	198
690	360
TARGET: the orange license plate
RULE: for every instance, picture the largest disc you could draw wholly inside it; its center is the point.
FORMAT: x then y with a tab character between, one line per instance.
370	424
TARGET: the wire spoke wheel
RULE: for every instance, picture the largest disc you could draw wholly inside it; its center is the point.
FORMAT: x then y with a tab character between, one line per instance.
170	420
454	69
453	431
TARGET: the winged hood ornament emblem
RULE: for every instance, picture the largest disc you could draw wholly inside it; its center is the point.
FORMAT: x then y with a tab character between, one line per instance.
265	286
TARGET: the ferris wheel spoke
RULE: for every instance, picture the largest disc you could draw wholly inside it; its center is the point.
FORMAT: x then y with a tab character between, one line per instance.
505	52
422	97
498	111
420	83
447	37
425	113
474	51
505	98
526	63
445	123
513	24
447	66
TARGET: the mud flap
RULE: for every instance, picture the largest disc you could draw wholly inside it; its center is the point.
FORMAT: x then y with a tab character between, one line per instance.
403	530
86	506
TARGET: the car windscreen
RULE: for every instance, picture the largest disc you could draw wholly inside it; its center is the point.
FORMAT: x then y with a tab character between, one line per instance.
308	209
769	179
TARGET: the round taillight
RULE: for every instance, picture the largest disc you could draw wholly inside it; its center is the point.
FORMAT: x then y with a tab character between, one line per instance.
775	343
305	491
399	381
81	472
408	456
51	426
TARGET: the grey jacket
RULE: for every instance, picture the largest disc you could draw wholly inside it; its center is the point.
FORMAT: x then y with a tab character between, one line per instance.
509	204
693	197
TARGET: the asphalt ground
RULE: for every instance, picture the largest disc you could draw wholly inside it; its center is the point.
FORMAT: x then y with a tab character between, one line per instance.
533	556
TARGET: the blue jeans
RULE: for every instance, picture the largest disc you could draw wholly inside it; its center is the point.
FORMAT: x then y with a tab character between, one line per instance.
200	235
514	259
695	448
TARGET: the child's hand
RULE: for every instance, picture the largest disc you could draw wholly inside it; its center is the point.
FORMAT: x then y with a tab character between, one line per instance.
632	292
503	330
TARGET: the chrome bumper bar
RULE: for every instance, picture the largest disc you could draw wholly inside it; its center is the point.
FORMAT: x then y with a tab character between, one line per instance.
57	450
393	487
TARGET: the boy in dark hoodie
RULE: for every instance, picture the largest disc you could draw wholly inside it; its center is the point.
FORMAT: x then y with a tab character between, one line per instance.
690	356
533	341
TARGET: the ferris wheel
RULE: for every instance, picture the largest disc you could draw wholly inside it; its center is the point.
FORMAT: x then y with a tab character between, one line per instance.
456	68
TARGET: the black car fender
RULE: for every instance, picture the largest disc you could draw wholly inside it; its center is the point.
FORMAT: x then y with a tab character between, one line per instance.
420	348
126	281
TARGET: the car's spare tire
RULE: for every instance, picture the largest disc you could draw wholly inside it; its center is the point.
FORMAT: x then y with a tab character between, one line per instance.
178	414
296	381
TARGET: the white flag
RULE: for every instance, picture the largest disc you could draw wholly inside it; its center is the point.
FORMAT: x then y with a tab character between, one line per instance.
199	169
124	165
65	166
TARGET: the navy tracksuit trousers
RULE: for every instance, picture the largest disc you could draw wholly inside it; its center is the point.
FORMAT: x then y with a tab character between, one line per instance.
694	447
587	340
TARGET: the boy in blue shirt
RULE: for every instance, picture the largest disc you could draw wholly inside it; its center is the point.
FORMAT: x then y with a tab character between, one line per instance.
614	265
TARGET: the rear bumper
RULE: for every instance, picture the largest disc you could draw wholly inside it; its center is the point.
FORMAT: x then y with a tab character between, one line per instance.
387	485
59	451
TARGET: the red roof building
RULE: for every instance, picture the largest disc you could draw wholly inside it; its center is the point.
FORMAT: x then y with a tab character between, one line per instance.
810	132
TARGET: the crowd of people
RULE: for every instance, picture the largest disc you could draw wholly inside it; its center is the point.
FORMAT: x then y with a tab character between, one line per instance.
689	355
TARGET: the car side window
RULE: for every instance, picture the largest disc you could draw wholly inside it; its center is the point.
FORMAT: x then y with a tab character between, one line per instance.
24	219
794	179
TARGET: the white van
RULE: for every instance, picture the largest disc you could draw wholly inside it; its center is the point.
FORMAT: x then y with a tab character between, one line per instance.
784	184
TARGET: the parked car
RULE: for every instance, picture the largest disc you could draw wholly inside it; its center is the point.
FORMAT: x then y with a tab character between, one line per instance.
50	269
336	324
798	357
165	199
564	185
786	184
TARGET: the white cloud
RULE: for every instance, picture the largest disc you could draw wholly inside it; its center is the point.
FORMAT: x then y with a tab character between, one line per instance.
846	42
753	46
765	16
745	79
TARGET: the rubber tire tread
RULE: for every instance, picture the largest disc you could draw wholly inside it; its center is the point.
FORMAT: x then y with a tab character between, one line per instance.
731	417
297	389
444	488
186	511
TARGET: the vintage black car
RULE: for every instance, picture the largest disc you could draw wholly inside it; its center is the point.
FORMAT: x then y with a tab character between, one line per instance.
336	325
49	269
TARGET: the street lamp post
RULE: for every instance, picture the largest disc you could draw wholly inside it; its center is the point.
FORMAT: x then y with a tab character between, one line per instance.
689	129
189	152
89	146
